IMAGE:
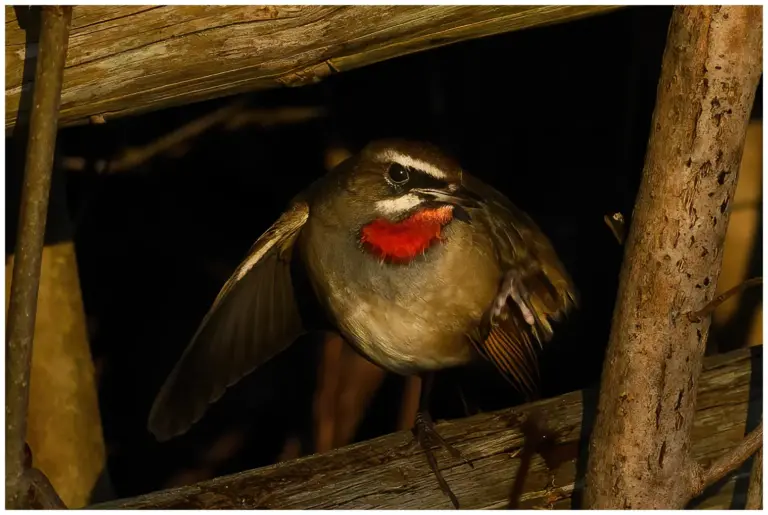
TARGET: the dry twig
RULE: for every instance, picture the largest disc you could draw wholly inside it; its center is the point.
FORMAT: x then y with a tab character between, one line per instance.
618	227
702	477
277	116
42	490
698	316
230	117
755	492
133	157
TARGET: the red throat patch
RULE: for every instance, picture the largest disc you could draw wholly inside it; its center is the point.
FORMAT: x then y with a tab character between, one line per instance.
402	241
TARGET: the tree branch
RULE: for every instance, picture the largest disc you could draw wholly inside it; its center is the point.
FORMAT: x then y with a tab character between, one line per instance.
43	493
231	117
703	477
755	492
22	304
133	157
698	316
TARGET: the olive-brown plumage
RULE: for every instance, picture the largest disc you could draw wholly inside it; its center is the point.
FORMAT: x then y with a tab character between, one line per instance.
418	265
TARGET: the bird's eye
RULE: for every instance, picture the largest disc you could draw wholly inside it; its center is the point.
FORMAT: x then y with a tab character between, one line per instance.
398	173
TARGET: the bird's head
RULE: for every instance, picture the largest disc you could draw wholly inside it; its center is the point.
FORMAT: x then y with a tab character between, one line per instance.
400	195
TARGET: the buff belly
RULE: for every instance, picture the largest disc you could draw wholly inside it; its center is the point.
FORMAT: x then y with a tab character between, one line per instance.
409	325
400	339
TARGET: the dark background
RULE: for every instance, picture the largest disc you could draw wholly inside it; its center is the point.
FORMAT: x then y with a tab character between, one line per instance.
556	117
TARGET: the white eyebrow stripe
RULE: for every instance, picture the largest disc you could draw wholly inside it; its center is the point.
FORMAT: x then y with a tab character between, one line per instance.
399	204
410	162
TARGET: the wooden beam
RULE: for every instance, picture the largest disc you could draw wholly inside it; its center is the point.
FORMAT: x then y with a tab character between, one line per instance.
131	59
391	473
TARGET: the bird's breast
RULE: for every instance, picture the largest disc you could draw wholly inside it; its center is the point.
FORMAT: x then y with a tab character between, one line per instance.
406	318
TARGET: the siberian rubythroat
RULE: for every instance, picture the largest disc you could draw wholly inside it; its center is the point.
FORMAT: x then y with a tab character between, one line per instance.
416	263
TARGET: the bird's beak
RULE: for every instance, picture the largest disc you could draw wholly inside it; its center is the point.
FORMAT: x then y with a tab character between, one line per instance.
459	197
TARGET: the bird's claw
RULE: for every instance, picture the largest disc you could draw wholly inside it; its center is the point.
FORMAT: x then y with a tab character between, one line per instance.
512	288
427	436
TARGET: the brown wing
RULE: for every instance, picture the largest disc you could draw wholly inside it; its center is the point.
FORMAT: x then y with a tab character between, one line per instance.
504	337
253	318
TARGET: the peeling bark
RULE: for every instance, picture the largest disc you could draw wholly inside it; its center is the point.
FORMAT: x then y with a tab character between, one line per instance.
640	450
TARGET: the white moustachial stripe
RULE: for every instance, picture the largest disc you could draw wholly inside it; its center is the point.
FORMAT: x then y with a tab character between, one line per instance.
398	204
411	162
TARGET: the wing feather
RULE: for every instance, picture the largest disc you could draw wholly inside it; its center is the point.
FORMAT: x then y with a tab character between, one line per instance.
253	318
507	340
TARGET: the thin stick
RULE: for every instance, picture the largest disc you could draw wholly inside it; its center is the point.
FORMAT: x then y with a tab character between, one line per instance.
755	492
698	316
702	478
231	117
42	490
52	52
134	157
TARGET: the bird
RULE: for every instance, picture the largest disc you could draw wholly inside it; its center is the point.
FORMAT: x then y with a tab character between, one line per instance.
416	263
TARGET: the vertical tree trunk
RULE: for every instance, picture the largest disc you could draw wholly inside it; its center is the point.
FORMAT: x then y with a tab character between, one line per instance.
639	452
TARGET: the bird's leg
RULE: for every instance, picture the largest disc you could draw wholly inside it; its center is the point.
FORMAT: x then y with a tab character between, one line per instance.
512	288
427	436
468	411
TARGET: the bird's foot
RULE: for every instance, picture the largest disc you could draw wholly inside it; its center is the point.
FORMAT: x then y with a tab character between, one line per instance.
512	288
427	436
